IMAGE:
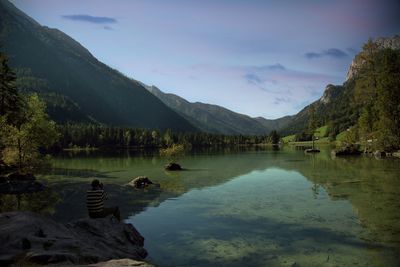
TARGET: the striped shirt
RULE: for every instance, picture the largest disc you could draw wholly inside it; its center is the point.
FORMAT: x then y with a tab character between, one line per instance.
94	200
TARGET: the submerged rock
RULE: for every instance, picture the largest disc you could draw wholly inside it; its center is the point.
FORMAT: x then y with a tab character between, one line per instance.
122	263
140	182
173	167
31	238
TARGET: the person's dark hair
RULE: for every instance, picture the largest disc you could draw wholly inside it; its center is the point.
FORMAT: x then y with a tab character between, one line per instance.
95	183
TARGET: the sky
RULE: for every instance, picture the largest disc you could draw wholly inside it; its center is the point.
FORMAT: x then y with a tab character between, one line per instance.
256	57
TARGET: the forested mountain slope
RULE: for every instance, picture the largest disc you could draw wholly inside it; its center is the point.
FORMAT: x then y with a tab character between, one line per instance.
212	118
75	85
371	76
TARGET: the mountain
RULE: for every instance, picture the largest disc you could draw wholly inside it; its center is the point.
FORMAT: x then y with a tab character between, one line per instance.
215	119
337	107
334	104
275	124
76	86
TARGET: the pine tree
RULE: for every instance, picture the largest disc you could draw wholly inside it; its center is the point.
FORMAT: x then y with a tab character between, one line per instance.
274	137
10	101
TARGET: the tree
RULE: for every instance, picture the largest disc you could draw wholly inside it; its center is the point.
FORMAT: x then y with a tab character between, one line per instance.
365	90
10	101
174	152
23	141
274	137
388	100
127	138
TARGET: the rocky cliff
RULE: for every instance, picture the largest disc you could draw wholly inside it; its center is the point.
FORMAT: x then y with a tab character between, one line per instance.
381	43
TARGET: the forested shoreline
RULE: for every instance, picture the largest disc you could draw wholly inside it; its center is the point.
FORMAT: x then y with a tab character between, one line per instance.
98	136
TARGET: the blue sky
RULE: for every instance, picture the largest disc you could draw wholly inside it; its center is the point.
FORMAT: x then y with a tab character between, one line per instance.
260	58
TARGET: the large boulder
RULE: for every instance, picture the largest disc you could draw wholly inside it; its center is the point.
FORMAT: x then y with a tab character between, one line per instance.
173	167
140	182
380	154
31	238
346	151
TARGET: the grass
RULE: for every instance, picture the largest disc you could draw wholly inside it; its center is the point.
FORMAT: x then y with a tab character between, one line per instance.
320	133
341	136
289	138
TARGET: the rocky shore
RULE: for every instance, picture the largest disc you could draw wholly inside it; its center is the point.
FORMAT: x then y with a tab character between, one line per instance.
29	238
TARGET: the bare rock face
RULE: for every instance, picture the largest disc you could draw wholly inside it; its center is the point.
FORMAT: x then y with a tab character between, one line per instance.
382	43
331	91
30	238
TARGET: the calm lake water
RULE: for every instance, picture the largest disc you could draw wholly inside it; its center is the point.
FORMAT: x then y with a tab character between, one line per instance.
243	208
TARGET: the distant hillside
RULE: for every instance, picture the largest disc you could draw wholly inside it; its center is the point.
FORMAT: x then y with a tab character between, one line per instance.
216	119
276	124
76	86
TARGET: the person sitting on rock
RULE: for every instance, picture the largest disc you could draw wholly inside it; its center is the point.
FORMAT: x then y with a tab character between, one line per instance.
95	202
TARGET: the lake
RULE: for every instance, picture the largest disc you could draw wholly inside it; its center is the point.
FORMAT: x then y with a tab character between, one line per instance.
260	207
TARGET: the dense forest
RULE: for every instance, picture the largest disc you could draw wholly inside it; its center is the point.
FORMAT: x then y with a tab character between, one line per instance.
91	135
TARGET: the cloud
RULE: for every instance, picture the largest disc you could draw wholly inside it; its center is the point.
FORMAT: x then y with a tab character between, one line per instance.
256	74
276	66
280	100
311	55
331	52
90	19
108	28
253	78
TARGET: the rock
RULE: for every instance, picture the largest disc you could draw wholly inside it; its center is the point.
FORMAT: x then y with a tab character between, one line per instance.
173	167
379	154
396	154
31	238
346	151
331	92
122	263
140	182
